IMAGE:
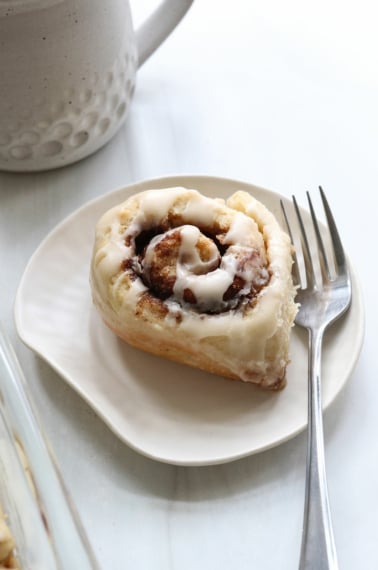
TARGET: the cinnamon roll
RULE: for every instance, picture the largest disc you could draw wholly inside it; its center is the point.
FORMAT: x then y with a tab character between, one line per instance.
202	281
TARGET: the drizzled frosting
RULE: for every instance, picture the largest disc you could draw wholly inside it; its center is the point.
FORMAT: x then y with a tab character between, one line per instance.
213	270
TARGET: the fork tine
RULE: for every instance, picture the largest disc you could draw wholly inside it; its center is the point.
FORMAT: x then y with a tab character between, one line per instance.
295	269
340	260
310	272
322	253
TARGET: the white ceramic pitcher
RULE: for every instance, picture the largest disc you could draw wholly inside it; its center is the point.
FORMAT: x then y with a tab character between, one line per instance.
67	75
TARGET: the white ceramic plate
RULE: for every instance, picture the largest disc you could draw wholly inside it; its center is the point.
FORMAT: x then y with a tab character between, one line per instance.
164	410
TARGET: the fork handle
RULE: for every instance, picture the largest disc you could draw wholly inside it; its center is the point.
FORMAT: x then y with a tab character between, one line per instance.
318	550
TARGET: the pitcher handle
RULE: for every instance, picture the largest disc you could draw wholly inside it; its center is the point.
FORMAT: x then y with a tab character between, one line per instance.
157	27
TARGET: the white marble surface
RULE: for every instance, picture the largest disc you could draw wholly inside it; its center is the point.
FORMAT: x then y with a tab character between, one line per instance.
283	95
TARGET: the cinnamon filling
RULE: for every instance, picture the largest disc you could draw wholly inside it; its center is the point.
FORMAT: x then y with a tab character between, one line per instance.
185	266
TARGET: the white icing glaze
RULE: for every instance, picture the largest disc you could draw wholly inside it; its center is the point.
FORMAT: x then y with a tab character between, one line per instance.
189	256
201	210
154	205
208	289
244	231
205	280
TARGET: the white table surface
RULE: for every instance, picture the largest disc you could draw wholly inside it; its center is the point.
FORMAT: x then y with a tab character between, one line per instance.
283	95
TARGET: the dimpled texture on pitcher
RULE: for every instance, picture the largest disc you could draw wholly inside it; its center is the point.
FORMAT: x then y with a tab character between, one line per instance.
68	128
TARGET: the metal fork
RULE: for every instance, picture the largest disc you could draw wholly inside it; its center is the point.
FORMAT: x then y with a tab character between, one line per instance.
322	301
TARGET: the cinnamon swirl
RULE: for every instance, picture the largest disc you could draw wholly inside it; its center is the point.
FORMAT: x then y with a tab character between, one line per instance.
201	281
